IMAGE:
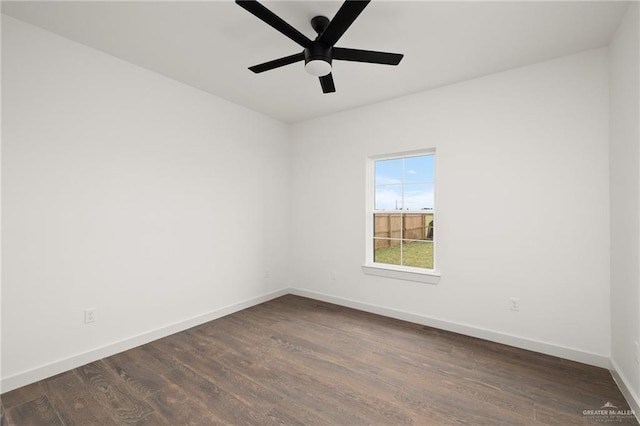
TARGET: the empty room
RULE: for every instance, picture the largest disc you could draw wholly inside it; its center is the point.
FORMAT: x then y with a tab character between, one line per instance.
320	213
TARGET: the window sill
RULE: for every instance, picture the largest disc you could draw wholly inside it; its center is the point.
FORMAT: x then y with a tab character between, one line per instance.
407	274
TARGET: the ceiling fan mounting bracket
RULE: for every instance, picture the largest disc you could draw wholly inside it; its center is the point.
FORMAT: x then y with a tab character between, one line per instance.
319	23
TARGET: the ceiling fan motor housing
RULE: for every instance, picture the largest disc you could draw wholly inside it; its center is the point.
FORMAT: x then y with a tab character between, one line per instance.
317	51
319	55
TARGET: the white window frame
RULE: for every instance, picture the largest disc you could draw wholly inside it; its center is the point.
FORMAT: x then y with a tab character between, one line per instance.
409	273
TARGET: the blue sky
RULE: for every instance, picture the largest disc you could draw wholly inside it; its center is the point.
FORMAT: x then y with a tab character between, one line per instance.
407	183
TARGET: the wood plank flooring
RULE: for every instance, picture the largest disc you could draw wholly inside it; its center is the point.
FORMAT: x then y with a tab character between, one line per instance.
296	361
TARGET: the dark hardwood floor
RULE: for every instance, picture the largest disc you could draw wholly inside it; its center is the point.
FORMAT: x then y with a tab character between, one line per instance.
296	361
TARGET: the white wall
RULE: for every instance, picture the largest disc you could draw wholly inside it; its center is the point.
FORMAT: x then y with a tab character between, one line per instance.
521	202
153	202
625	195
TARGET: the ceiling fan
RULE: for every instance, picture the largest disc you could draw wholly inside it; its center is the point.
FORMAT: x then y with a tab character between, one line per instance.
319	53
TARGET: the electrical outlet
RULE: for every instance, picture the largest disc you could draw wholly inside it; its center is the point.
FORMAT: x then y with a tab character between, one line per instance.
266	274
90	315
514	304
333	275
637	352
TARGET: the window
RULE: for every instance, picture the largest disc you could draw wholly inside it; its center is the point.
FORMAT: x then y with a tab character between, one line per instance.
400	215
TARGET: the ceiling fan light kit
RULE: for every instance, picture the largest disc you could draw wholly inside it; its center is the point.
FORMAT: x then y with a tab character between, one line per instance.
318	67
318	54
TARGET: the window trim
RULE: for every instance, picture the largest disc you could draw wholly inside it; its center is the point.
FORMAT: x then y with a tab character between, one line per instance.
408	273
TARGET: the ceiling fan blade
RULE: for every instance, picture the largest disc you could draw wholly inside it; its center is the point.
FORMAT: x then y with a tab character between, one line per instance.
370	56
277	63
261	12
347	13
326	81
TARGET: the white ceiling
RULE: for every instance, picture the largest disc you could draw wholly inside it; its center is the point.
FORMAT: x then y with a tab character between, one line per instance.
210	44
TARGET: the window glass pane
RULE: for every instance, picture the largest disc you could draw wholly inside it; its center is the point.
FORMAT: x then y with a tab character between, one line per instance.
388	197
388	172
386	251
403	228
418	254
430	226
419	169
414	227
387	225
418	196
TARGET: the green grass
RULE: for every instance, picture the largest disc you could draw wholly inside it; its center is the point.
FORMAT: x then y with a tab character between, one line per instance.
418	254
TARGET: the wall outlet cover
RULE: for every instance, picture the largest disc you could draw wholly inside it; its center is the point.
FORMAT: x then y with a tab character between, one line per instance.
90	315
514	303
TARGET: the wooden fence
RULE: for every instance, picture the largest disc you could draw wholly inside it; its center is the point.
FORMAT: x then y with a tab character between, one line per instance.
412	226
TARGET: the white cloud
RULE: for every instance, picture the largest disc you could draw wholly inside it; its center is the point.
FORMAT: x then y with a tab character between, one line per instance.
388	198
384	180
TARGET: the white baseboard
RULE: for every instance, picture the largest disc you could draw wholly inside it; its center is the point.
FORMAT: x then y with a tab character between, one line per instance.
468	330
39	373
623	383
57	367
